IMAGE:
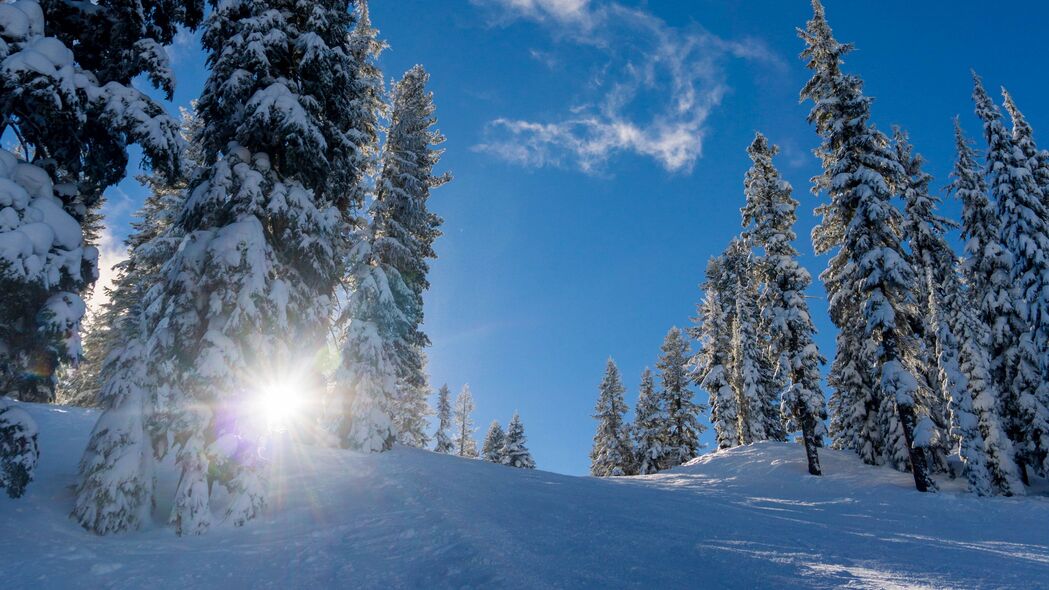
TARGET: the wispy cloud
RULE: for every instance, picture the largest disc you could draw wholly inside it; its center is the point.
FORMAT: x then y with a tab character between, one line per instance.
652	94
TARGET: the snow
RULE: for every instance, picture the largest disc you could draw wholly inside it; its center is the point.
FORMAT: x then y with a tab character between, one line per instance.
743	518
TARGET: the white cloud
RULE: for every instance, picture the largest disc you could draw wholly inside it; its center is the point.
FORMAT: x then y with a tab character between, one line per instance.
111	251
651	95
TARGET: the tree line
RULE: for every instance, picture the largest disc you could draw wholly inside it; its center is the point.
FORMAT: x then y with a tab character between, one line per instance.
937	353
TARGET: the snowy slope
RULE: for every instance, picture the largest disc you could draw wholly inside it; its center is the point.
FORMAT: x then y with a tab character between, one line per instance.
412	519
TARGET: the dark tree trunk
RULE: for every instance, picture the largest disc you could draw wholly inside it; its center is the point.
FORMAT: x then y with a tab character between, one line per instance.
808	432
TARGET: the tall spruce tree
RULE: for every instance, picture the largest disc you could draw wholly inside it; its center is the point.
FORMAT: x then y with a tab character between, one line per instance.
712	365
683	426
650	427
115	491
463	442
442	442
943	307
1023	137
611	455
247	298
492	448
405	232
514	451
753	374
869	278
784	313
1020	323
984	270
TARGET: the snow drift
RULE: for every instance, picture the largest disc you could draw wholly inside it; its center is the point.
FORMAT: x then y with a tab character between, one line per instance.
748	517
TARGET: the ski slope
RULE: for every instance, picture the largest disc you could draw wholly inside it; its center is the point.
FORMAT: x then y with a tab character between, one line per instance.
745	518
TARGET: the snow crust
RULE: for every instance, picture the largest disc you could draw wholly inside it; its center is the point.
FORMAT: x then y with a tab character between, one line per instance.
749	517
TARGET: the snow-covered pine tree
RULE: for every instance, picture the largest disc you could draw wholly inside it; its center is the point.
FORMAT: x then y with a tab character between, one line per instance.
74	129
367	378
1020	324
442	441
753	375
463	443
116	485
405	231
492	448
683	427
515	453
611	455
1023	137
712	365
650	427
74	132
932	255
984	269
79	385
248	296
771	212
869	278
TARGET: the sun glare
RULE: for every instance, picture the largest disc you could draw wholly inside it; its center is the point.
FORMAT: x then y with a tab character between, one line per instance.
280	403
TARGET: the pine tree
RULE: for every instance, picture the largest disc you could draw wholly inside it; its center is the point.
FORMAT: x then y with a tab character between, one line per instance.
405	232
1020	324
374	332
925	232
869	278
515	453
463	441
752	374
712	365
18	448
443	443
492	449
247	298
1023	137
115	491
75	129
985	265
611	454
650	427
783	311
682	412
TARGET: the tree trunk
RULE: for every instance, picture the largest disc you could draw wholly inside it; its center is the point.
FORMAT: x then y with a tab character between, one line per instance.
919	463
808	433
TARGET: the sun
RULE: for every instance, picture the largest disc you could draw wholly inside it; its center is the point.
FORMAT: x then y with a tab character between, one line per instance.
279	403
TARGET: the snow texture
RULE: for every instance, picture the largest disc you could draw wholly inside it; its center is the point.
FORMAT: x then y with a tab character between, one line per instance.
742	518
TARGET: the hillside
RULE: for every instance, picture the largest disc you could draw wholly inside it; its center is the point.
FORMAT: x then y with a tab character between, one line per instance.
745	518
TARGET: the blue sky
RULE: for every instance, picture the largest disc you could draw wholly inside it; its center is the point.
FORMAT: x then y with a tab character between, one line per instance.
598	154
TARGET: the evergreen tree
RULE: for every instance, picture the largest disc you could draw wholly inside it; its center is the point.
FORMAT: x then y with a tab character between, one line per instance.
72	130
752	373
783	311
713	365
18	448
115	491
492	449
247	297
925	232
868	279
443	443
985	265
514	452
367	377
405	232
1020	323
650	427
683	428
463	441
611	454
1023	137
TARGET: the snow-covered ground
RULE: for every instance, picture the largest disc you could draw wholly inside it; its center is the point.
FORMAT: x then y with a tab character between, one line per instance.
745	518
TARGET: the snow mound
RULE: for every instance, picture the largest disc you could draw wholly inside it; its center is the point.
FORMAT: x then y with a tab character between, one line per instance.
744	518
